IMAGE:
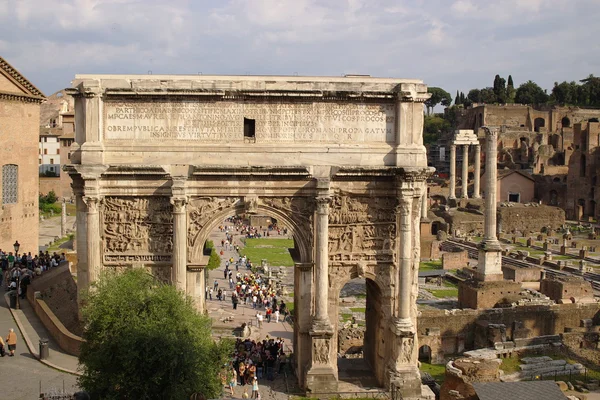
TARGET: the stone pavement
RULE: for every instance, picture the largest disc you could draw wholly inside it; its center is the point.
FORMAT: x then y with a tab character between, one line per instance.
50	229
22	376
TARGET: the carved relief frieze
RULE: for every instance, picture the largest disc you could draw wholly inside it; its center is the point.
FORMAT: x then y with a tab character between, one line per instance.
137	230
299	209
321	351
362	229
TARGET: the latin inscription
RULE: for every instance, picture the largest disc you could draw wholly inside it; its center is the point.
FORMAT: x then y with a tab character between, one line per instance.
273	122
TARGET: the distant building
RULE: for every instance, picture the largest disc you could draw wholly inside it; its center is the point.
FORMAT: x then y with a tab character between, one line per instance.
514	186
19	137
57	127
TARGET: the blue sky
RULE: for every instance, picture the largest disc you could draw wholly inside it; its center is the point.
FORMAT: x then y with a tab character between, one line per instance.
454	44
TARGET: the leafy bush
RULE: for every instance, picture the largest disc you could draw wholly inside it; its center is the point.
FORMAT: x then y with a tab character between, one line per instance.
145	340
214	261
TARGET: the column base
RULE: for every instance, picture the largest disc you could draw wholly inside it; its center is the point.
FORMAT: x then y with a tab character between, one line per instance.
403	327
321	327
476	196
489	267
321	379
405	383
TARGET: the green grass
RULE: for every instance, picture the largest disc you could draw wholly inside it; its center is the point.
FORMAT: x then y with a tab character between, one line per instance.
361	296
437	371
346	317
275	251
358	309
477	239
510	365
56	245
443	293
430	265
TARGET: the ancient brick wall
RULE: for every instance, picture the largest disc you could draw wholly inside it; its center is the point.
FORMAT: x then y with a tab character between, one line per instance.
458	326
455	260
19	136
531	219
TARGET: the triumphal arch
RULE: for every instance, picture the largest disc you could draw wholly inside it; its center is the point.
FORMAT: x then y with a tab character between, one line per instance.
159	161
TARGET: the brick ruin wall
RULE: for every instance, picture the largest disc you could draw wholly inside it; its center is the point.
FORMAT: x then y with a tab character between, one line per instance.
530	219
451	332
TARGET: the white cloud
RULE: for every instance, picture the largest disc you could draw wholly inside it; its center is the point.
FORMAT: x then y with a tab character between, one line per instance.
455	45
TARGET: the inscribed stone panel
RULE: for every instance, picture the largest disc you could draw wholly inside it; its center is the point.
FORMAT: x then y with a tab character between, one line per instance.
224	121
137	230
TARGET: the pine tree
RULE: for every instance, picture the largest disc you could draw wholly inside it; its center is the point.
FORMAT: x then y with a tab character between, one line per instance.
457	99
462	98
510	90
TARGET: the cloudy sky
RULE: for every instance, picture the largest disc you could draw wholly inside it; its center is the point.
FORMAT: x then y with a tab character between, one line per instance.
454	44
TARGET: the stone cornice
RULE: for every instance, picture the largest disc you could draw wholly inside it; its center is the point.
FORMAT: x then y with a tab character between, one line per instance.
25	98
219	170
20	79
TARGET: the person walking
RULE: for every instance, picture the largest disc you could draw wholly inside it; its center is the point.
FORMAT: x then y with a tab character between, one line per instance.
11	341
255	394
276	315
232	378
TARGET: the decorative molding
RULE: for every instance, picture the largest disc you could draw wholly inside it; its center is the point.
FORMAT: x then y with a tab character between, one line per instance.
16	75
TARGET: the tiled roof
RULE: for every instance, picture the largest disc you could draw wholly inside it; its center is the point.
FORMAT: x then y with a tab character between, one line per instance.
527	390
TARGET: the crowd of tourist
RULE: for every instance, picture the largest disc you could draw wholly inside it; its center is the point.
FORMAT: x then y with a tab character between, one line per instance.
24	268
253	360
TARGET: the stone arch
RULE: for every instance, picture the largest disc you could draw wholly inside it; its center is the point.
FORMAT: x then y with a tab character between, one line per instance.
565	122
302	240
378	311
538	123
425	353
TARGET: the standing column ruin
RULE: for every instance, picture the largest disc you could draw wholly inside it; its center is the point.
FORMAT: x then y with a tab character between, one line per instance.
405	256
490	251
321	319
477	173
465	172
452	185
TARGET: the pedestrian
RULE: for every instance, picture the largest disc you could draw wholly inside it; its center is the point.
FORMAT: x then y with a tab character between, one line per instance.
220	295
216	284
255	394
276	315
210	292
269	311
206	294
232	378
224	295
259	319
234	300
11	341
254	300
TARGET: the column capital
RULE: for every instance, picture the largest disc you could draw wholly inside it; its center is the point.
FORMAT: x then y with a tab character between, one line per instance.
92	202
322	204
179	204
404	206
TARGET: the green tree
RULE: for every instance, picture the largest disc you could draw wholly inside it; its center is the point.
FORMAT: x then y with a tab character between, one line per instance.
457	99
530	93
433	126
438	96
591	91
474	95
500	89
565	93
214	261
510	90
487	95
145	340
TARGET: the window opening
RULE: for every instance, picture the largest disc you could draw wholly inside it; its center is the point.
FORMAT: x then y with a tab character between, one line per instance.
9	183
249	129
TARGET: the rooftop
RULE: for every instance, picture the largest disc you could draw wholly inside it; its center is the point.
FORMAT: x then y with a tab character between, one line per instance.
529	390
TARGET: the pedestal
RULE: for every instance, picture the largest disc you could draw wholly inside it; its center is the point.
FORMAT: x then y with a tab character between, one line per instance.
489	266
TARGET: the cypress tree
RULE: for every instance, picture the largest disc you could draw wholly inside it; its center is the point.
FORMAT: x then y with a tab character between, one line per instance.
457	99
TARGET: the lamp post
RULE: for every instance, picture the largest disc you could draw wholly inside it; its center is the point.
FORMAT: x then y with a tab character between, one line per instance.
16	246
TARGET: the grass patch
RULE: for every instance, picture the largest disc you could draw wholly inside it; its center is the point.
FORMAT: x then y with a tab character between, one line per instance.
443	293
358	309
437	371
510	365
346	317
361	296
275	251
430	265
56	245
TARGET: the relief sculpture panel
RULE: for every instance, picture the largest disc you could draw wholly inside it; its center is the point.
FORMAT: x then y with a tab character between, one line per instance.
300	210
362	229
137	230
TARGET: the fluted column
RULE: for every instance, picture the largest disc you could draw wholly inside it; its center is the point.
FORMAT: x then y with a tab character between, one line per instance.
477	174
179	270
452	194
465	172
93	238
405	256
321	319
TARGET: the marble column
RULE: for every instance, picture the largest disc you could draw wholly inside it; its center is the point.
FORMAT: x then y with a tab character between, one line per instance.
465	172
179	269
424	205
489	267
93	238
477	174
452	194
63	219
405	257
321	318
491	180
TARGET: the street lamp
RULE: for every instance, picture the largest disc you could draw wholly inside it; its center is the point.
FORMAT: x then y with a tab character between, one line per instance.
16	246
